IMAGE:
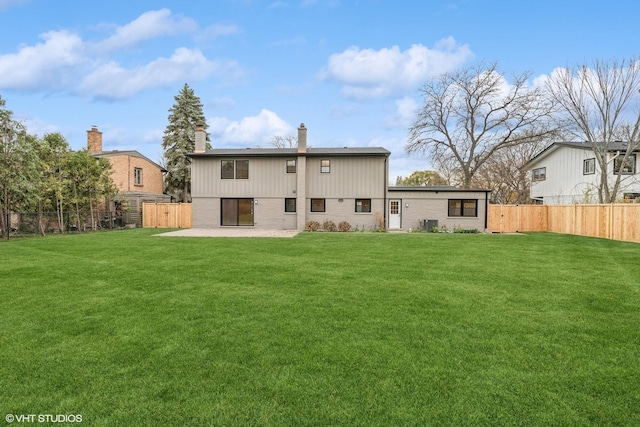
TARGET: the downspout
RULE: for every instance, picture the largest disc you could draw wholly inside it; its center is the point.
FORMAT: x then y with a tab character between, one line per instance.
486	208
386	189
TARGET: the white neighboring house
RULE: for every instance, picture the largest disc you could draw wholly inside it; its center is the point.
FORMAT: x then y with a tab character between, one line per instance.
568	173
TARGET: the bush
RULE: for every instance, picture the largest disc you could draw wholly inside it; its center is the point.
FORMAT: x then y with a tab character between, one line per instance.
465	230
344	226
312	226
329	225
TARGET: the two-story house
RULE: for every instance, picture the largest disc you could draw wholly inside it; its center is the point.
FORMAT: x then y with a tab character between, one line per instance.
568	173
284	188
137	178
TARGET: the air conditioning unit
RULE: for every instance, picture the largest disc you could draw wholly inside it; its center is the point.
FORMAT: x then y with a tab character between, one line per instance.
429	224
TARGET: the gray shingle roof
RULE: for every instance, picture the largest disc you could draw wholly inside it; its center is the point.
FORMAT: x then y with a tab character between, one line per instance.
287	152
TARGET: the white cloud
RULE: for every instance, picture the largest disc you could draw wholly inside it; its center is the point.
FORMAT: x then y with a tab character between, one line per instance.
405	113
368	73
49	64
64	62
250	131
111	81
147	26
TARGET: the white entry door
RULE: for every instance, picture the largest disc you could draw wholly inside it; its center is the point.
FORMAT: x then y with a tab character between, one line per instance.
395	214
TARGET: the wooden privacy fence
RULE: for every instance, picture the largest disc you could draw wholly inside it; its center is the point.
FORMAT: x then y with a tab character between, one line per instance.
611	221
166	215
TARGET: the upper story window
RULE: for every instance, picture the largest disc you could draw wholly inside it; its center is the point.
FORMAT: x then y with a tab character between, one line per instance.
459	207
137	176
291	166
589	167
539	174
234	169
624	166
325	166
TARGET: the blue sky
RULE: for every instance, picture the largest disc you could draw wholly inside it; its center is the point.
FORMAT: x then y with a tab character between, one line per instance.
350	70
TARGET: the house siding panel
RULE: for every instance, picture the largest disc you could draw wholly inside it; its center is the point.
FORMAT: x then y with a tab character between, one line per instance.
361	177
434	205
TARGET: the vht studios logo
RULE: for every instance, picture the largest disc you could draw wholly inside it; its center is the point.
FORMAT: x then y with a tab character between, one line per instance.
43	418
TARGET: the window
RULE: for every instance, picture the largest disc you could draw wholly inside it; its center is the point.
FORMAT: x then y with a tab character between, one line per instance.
458	207
363	205
236	212
291	166
539	174
289	205
325	166
589	167
227	169
317	205
238	169
137	176
626	168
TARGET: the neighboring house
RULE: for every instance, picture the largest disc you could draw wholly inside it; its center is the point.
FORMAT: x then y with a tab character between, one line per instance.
138	179
568	173
285	188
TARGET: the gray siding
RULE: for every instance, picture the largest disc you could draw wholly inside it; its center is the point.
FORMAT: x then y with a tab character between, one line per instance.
435	205
363	176
267	178
338	210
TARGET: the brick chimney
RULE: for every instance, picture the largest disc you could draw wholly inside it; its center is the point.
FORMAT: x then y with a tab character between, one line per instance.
94	140
201	140
302	139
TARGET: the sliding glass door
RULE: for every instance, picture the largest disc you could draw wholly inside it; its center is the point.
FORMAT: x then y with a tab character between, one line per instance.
236	212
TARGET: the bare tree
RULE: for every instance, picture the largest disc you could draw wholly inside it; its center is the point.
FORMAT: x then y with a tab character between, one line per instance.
470	114
278	141
600	106
504	173
421	179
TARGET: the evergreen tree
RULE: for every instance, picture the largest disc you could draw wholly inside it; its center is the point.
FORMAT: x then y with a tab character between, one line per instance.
178	140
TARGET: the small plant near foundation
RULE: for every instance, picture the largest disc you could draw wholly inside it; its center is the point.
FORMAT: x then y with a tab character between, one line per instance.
312	226
458	229
329	225
344	226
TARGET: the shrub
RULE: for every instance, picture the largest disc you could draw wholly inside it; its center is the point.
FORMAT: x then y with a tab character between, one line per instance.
344	226
329	225
312	226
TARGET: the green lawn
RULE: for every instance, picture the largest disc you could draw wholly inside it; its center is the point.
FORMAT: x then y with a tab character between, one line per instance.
340	329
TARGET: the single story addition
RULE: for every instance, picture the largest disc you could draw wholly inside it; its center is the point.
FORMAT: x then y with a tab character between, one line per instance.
286	188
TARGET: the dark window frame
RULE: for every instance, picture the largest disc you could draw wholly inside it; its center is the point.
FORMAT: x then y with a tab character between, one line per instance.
589	166
324	205
365	205
325	168
462	211
630	161
137	177
234	169
539	174
291	165
290	205
227	169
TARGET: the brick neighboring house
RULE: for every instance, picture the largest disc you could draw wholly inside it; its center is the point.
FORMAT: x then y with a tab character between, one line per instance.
284	188
137	178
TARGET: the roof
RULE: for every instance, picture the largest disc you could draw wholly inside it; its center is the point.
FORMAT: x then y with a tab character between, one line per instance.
290	152
580	145
438	188
131	153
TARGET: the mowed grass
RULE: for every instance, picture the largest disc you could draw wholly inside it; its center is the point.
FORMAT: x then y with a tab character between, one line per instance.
340	329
